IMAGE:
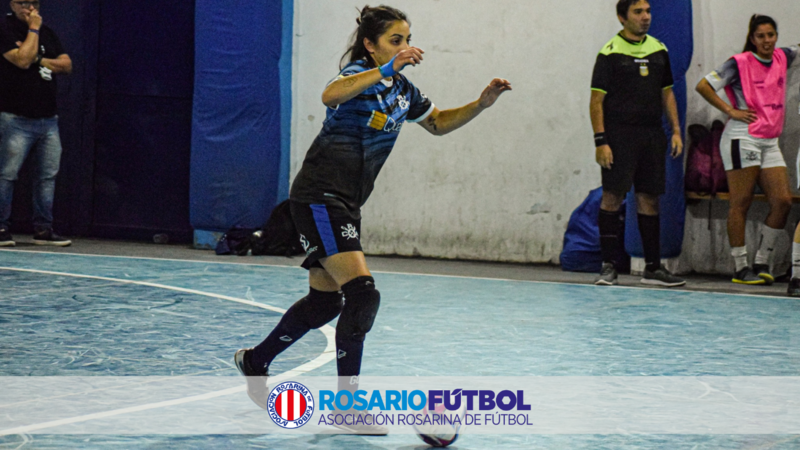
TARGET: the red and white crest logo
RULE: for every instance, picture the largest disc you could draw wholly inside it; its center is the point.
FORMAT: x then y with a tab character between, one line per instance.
290	405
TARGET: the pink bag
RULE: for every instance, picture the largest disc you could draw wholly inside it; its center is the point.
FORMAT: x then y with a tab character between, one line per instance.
705	173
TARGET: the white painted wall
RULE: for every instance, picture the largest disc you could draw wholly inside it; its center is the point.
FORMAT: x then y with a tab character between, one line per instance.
503	187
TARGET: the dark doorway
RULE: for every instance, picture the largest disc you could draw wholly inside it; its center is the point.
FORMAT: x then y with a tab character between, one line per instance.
145	78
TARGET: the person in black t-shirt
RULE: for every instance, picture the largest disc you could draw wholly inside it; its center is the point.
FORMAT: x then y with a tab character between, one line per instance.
631	90
32	55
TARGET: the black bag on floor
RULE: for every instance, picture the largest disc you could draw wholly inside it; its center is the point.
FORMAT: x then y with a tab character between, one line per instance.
278	237
237	241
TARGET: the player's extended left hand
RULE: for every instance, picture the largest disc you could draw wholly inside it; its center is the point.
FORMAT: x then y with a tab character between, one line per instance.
493	91
677	146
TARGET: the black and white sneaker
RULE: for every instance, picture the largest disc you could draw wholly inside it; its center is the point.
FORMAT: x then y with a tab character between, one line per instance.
361	423
257	388
607	277
5	238
661	277
762	271
48	237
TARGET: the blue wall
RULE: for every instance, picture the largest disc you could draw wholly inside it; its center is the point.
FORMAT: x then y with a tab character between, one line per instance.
240	129
672	24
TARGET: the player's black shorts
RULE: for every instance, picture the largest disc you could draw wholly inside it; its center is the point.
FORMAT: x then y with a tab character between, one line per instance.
325	230
639	159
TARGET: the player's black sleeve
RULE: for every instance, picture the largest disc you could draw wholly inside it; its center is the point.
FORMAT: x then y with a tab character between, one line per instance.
601	76
420	104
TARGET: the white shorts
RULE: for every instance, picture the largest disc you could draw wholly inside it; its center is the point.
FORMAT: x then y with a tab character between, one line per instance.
740	150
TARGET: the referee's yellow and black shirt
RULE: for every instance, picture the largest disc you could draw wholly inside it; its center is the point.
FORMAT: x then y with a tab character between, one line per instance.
633	76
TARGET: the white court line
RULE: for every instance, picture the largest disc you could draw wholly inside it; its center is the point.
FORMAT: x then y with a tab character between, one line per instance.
326	356
559	283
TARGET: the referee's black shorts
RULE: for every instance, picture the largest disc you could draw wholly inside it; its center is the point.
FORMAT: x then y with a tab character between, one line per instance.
639	159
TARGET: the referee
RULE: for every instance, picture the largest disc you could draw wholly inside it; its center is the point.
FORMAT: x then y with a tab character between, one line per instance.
631	88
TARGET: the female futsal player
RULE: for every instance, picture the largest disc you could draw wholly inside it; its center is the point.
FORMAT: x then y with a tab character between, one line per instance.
368	103
755	82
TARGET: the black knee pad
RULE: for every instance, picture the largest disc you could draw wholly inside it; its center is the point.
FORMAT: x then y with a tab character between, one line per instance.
318	308
361	303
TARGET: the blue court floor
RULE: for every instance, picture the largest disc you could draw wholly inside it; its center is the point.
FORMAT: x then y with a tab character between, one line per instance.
78	315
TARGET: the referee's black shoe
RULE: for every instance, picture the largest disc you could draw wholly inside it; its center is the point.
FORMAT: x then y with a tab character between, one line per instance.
661	277
608	275
257	388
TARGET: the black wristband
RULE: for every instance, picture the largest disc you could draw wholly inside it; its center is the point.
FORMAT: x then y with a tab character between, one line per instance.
38	59
600	139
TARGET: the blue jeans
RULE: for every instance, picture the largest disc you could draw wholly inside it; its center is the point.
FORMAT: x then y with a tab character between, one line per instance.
20	136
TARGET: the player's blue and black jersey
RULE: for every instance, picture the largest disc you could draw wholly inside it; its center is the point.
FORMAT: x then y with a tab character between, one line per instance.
633	76
356	138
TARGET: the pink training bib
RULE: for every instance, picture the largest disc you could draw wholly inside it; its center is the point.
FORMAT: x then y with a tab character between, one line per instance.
764	89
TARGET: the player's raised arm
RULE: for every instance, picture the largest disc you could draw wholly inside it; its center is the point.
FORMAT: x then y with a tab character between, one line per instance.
442	122
347	87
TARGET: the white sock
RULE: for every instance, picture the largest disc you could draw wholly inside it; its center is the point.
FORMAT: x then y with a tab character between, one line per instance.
739	257
767	245
795	260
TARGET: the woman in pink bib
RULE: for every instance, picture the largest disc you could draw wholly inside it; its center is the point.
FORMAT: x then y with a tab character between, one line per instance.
755	84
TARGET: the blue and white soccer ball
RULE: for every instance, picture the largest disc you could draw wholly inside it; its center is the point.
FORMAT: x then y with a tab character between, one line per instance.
445	432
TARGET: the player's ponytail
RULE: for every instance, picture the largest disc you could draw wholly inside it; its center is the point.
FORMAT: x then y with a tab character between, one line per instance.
372	23
756	21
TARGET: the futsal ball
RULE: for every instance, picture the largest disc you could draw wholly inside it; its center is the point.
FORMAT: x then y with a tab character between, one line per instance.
443	430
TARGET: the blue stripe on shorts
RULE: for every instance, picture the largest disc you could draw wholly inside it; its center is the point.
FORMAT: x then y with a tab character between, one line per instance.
325	229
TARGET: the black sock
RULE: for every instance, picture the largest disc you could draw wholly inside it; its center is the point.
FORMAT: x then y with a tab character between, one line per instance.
361	305
312	311
650	230
609	223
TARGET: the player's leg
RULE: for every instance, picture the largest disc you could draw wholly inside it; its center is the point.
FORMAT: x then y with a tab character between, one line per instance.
774	181
742	162
794	284
322	304
741	183
361	305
